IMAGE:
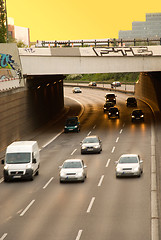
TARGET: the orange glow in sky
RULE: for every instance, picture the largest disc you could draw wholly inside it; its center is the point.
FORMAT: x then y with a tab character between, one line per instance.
71	20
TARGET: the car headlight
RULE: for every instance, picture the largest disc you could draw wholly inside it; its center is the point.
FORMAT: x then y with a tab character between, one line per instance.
117	112
132	116
118	169
109	113
6	167
29	166
83	147
96	146
65	127
62	174
142	116
80	174
136	169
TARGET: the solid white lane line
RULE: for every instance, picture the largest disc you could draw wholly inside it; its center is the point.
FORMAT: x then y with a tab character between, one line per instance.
121	131
1	180
90	205
48	183
27	208
82	106
94	126
117	139
45	145
154	193
108	161
113	149
4	236
89	133
74	151
79	235
101	180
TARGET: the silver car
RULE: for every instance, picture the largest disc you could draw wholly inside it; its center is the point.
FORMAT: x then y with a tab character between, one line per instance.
73	170
91	144
77	90
129	165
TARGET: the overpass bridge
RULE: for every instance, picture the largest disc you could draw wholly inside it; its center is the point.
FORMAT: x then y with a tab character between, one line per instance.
85	60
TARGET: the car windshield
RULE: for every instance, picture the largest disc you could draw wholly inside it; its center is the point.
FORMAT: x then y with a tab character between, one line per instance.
13	158
131	99
128	160
110	96
114	110
72	122
90	140
72	165
138	112
108	104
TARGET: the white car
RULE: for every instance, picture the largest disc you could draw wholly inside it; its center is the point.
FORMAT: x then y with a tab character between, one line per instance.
129	165
77	90
73	170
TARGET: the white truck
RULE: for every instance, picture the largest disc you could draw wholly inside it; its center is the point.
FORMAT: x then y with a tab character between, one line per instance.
22	160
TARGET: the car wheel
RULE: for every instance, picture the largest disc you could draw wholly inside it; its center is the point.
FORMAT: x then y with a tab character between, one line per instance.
32	178
6	179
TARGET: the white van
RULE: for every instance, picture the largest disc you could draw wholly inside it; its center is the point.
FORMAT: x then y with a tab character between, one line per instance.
22	160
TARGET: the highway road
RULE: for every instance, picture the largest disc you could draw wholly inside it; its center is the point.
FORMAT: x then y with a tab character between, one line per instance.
102	207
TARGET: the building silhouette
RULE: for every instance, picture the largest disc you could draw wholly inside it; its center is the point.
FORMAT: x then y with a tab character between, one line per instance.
151	28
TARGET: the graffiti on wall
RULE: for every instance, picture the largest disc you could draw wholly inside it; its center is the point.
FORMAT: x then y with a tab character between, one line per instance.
122	51
8	66
6	61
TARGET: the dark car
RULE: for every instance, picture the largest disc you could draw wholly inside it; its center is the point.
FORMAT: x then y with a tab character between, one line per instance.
131	102
110	97
113	112
115	84
72	125
136	115
92	84
107	105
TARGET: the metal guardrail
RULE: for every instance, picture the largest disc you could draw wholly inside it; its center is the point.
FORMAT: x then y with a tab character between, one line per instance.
102	88
104	43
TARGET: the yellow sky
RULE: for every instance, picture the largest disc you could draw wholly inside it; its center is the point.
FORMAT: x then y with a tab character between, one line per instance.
85	19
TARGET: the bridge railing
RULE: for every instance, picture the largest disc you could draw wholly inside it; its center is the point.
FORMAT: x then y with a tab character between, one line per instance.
9	83
100	43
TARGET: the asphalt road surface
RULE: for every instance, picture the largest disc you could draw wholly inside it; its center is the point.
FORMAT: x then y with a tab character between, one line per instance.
101	208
